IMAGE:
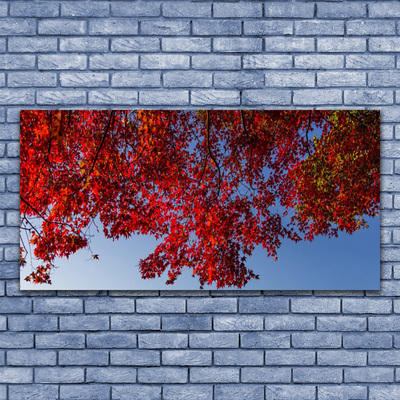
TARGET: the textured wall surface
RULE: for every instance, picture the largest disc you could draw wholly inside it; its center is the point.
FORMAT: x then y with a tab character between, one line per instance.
199	345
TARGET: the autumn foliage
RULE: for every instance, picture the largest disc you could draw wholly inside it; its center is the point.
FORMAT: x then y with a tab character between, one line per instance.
211	185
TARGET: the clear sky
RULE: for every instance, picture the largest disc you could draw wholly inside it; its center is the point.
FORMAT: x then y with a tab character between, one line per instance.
349	262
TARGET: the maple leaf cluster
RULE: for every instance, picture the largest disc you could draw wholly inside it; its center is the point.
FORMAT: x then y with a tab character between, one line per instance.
211	185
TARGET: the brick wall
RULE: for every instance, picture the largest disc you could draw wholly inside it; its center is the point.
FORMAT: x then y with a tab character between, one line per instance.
199	345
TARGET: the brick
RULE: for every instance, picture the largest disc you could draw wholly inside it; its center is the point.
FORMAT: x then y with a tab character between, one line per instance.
336	392
187	79
214	375
263	305
270	375
366	306
57	306
220	97
382	10
341	323
241	323
238	357
386	323
60	340
16	375
113	26
111	375
289	323
99	305
17	61
342	357
14	340
265	340
15	305
94	391
237	45
367	96
368	374
111	340
186	357
367	341
384	357
136	392
346	10
83	357
290	357
290	392
288	10
84	322
165	28
37	9
187	323
162	375
135	322
365	27
64	97
216	62
342	78
139	44
113	61
32	44
387	44
61	27
59	375
83	79
179	97
163	340
89	45
135	357
341	45
269	27
216	27
37	392
317	375
61	61
18	26
318	27
319	61
289	45
164	61
238	10
108	96
317	340
370	61
31	357
138	9
289	79
239	392
381	79
180	9
32	323
260	96
214	339
179	392
319	305
85	9
317	96
212	305
194	45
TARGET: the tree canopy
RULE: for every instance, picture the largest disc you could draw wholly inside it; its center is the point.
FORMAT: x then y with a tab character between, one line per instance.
211	185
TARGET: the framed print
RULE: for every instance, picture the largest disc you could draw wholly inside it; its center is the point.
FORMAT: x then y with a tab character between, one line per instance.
206	199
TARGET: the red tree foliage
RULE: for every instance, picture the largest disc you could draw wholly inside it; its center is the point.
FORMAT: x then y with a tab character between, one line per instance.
211	184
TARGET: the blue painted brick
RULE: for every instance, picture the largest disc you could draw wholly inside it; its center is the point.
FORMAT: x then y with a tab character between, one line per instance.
387	44
369	374
214	375
341	323
162	375
367	340
92	391
341	11
19	26
341	45
237	10
100	305
194	45
111	340
136	392
288	44
113	61
382	10
269	27
384	357
83	357
163	340
318	27
64	97
62	61
31	357
366	306
217	97
60	375
336	392
186	357
15	305
382	392
365	27
186	79
152	97
135	44
135	9
368	97
212	305
316	340
84	322
135	357
111	26
37	392
237	45
184	392
164	61
60	340
61	27
164	27
267	61
264	375
135	322
265	340
32	323
216	27
265	305
386	323
288	10
239	392
372	61
36	9
240	323
290	392
342	358
57	306
261	96
17	61
290	357
85	9
289	323
214	340
16	375
181	9
32	44
186	323
83	79
317	375
314	97
111	375
89	45
238	357
216	62
342	78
